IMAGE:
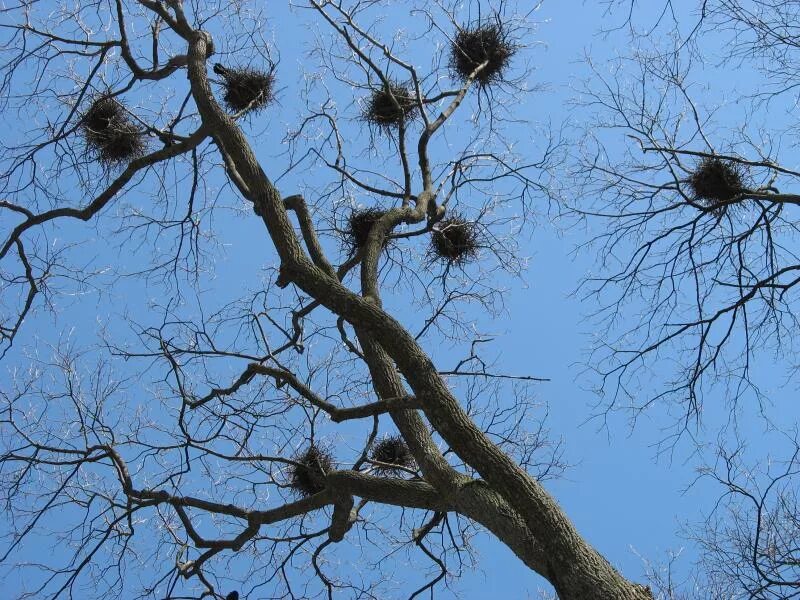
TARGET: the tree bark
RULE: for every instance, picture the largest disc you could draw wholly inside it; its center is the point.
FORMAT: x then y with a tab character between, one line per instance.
550	545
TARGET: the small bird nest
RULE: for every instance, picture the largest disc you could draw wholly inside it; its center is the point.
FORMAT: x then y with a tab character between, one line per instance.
482	43
110	133
246	88
390	106
716	181
393	452
307	476
454	240
359	224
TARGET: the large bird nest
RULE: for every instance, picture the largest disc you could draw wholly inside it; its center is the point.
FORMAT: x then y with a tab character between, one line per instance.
110	133
390	106
481	43
393	454
359	224
454	240
246	88
716	181
307	475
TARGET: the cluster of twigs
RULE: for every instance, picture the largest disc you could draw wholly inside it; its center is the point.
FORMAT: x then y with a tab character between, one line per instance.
110	134
246	89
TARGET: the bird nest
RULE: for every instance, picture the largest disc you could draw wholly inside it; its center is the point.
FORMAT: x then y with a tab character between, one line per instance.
390	106
307	475
482	43
246	89
394	455
359	224
454	240
716	181
109	132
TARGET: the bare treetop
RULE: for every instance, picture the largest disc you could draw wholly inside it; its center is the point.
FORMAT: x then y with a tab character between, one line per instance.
687	174
283	432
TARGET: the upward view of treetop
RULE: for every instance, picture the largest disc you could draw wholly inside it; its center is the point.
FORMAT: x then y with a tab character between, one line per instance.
250	260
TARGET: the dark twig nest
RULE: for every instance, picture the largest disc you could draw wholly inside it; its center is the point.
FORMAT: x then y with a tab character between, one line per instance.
392	450
454	240
110	133
359	224
306	477
390	106
246	88
716	181
482	43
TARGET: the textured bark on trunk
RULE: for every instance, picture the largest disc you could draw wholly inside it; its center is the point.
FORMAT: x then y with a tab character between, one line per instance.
509	502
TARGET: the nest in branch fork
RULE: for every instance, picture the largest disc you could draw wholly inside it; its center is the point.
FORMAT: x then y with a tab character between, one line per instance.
246	88
482	43
716	180
110	133
360	223
307	477
454	240
394	452
390	106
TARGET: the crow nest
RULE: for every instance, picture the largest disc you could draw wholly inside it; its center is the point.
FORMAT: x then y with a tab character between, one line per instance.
394	453
306	477
109	132
390	106
454	240
246	88
716	181
481	43
359	224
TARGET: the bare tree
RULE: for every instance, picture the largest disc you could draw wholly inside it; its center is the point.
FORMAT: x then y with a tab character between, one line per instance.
690	172
749	541
698	209
256	443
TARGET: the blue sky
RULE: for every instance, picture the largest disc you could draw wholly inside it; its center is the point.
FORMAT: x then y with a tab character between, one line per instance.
621	492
